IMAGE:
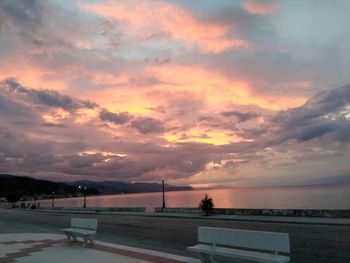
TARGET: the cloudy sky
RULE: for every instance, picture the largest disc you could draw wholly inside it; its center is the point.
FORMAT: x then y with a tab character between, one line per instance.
201	93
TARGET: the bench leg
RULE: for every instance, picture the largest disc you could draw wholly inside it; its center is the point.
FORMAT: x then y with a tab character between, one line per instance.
69	236
74	237
88	240
205	258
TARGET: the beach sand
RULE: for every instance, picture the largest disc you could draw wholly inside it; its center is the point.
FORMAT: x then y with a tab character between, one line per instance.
309	242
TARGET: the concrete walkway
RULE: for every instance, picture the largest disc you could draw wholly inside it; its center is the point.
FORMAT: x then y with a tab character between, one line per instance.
53	248
272	219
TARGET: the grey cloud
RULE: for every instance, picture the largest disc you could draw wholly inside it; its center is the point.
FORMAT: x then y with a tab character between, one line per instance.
308	132
148	125
53	98
117	118
37	159
343	134
318	130
47	97
27	14
84	161
53	125
323	103
241	116
144	81
253	133
209	119
22	25
9	107
320	115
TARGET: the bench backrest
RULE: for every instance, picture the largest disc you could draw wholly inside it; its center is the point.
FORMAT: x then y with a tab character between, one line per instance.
277	242
86	223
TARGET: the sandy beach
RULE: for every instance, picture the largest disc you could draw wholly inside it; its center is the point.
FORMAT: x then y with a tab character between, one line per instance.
309	242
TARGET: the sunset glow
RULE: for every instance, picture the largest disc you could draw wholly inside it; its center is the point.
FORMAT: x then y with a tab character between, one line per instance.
199	93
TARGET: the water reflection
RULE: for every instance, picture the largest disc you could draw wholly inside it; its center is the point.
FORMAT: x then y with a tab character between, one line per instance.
316	197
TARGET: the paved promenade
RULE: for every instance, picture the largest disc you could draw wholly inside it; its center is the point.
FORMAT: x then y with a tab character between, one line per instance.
311	239
43	248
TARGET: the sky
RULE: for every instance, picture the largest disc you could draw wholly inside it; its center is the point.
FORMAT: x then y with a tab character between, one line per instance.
201	93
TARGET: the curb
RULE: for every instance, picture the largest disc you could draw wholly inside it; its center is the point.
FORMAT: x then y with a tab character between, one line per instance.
267	219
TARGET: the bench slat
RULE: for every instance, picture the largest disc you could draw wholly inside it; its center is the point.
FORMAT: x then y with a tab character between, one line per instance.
269	241
239	254
86	223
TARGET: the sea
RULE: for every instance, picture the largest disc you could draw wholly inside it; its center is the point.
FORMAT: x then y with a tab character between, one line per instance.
293	197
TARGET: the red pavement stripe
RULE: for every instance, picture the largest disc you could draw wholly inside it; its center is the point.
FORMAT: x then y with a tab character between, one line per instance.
30	241
128	253
11	257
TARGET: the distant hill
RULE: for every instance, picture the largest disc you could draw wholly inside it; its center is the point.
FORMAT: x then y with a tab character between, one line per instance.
24	185
111	187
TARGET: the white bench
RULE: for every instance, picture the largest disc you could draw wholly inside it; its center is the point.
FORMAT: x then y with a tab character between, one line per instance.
81	227
252	246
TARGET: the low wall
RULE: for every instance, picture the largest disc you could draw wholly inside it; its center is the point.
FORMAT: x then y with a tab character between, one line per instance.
178	210
263	212
97	209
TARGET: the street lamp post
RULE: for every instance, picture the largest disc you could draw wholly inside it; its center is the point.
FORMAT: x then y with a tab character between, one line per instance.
53	199
163	206
83	189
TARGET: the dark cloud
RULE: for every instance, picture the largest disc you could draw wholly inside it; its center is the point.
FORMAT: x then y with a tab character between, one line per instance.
50	98
116	118
148	125
53	125
253	133
241	116
323	119
26	13
308	132
144	81
343	134
84	161
23	25
323	103
9	106
320	115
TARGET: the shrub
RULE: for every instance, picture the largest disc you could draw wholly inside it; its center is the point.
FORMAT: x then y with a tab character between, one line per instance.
207	204
13	198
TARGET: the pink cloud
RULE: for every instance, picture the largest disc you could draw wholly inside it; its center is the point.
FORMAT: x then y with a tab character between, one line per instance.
149	18
261	7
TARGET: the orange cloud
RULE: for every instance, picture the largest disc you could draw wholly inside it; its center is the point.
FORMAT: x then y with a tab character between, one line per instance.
148	18
30	76
261	7
196	135
56	116
214	91
178	97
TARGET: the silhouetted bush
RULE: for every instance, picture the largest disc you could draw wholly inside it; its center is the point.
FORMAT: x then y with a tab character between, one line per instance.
207	205
13	198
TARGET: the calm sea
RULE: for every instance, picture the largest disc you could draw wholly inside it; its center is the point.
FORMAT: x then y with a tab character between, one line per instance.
312	197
